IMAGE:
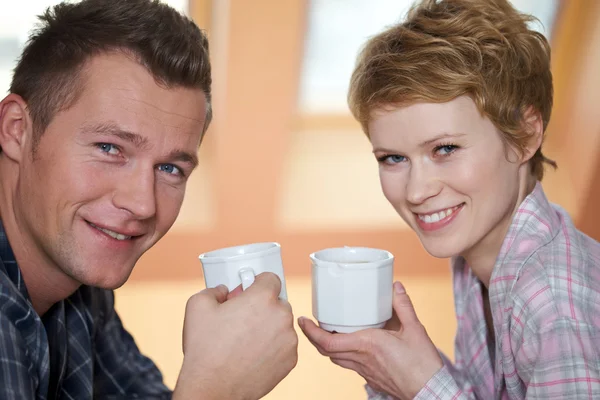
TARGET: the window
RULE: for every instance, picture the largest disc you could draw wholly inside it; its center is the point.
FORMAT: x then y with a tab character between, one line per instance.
338	28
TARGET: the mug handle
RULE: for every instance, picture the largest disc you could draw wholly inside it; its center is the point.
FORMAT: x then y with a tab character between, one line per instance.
247	277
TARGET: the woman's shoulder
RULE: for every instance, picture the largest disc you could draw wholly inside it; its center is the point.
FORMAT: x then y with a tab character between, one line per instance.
543	238
559	281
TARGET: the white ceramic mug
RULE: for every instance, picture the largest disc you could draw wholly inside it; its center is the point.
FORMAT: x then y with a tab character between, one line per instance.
239	265
352	288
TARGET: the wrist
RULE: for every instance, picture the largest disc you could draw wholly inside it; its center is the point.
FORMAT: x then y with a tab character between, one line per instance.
426	376
196	383
422	375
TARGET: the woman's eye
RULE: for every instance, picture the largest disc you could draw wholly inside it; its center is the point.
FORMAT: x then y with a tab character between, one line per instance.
391	159
446	149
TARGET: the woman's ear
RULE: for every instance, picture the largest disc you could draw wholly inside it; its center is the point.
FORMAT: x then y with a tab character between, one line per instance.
15	127
533	125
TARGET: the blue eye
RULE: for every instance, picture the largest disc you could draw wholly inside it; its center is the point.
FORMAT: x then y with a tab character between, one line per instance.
391	159
108	148
169	169
446	149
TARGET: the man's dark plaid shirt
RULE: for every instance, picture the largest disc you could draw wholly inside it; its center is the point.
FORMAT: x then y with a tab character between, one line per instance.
77	350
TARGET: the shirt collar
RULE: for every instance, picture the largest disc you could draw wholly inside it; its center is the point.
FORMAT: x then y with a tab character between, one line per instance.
8	264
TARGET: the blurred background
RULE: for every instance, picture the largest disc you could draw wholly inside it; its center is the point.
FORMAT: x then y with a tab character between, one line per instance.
284	161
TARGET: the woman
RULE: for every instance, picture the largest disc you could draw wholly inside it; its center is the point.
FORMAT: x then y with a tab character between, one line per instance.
455	101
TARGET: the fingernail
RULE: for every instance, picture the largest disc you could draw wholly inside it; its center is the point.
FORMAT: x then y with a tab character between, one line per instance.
301	321
398	288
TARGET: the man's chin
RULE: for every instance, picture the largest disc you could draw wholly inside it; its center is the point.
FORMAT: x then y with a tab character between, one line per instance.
109	280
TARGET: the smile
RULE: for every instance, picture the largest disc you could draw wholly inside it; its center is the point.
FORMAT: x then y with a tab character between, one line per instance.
112	234
439	216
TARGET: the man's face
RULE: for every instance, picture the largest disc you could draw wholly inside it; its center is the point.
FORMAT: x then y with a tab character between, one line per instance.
108	176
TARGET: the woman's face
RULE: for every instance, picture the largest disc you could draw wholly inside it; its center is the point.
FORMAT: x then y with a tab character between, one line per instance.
447	172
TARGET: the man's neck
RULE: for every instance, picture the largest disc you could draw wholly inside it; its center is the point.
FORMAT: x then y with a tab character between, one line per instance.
45	289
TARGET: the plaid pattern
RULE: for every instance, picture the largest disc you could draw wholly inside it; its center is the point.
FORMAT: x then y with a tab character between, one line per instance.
545	300
77	350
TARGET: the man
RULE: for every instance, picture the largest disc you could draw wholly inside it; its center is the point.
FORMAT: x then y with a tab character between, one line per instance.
100	131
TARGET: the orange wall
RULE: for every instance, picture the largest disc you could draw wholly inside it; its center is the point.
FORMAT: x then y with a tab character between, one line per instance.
574	132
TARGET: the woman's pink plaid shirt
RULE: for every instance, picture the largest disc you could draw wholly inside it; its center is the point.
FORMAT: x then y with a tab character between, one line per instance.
545	300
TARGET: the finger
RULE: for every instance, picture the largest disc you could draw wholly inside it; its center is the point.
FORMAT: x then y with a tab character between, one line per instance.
350	356
267	282
329	342
235	292
403	306
286	304
301	324
318	347
217	294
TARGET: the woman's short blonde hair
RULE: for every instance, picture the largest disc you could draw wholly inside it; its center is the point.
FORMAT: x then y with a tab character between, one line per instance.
448	48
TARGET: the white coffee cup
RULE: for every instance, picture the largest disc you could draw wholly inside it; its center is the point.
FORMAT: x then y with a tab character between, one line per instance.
352	288
239	265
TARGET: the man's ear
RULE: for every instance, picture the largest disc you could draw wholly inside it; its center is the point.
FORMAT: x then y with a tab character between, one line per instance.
533	125
15	127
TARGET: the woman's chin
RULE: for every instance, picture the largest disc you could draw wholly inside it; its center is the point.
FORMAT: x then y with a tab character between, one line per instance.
440	250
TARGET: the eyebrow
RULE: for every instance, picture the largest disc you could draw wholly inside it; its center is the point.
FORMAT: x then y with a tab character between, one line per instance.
426	143
137	140
441	136
113	129
184	156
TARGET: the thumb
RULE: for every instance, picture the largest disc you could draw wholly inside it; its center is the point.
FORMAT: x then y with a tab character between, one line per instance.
403	306
235	292
217	294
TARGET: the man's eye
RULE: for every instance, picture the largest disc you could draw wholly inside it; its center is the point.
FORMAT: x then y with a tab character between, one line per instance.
108	148
170	169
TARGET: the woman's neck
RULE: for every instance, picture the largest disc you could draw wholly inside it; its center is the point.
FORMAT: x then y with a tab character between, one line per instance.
481	258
